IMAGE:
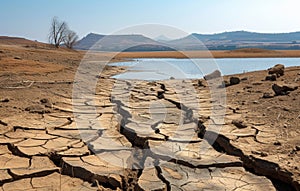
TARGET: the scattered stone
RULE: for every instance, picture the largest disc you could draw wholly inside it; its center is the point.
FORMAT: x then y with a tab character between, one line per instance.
234	80
271	78
297	148
262	154
283	89
267	95
17	58
46	102
239	124
5	100
257	83
278	69
213	75
244	78
286	109
200	83
37	109
277	143
225	83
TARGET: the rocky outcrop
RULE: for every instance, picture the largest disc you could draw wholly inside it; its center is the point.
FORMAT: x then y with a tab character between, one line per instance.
278	70
215	74
234	80
271	77
283	89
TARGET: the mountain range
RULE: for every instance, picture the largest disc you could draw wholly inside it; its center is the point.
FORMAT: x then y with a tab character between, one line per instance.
219	41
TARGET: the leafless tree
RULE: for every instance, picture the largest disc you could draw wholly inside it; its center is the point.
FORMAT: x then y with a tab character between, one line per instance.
70	39
58	32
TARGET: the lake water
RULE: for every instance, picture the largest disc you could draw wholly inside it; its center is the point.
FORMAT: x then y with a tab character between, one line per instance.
166	68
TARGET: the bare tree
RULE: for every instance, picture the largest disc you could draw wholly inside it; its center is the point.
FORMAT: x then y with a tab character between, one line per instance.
58	31
70	39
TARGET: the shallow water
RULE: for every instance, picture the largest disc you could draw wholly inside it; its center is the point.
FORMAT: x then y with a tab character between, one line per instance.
166	68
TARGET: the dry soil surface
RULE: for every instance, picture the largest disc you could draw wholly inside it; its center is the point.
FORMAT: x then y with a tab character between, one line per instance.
139	135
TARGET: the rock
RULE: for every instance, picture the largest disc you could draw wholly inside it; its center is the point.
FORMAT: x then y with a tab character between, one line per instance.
5	100
267	95
283	89
257	83
286	109
271	78
262	154
297	148
213	75
46	102
200	83
234	80
17	58
244	79
225	83
37	109
277	143
278	69
239	124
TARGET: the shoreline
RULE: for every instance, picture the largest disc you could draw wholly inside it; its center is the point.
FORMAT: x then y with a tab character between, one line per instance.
212	54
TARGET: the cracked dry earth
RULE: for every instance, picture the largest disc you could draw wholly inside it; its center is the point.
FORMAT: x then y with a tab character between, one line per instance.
139	135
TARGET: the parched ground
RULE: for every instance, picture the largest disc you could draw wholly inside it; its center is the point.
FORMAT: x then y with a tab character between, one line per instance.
138	135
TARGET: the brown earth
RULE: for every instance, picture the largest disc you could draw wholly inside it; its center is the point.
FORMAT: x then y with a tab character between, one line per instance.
137	135
240	53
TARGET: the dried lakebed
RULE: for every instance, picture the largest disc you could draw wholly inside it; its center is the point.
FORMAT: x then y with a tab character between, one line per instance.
139	135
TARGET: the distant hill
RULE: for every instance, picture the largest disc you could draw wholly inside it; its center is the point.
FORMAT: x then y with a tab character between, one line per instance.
7	40
250	36
162	38
239	39
88	41
119	43
219	41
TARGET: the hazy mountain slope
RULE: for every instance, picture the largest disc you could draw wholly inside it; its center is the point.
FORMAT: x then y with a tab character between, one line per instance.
219	41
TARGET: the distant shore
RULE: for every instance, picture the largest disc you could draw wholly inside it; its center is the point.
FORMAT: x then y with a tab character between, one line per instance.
241	53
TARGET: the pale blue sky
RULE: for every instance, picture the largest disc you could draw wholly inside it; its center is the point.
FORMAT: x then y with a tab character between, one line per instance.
31	18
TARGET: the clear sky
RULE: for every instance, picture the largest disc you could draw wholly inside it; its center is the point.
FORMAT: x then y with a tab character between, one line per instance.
31	18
